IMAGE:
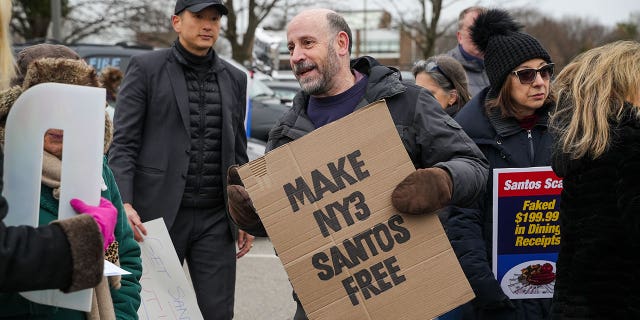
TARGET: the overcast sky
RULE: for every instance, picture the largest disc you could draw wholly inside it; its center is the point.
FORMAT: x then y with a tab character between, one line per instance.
607	12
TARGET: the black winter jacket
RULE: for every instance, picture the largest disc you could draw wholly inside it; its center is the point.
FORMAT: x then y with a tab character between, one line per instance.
597	269
506	145
430	136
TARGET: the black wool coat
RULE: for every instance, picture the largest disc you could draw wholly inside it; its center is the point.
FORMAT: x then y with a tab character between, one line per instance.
598	263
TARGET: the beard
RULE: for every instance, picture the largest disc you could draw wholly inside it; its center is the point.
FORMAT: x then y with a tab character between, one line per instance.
322	83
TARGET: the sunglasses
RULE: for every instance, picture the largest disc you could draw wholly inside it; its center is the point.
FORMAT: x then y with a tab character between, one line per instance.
528	76
432	66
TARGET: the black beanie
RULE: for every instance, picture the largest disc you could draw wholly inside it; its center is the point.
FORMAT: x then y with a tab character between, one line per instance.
498	36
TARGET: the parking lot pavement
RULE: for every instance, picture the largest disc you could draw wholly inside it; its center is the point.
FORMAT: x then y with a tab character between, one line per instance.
263	291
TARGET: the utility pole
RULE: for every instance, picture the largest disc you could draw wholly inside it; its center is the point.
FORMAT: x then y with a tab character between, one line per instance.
55	19
364	42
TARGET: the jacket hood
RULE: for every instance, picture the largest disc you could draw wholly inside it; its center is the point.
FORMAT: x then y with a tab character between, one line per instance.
7	98
26	56
383	81
66	71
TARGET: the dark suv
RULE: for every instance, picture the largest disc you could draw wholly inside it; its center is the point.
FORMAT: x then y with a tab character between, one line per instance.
101	55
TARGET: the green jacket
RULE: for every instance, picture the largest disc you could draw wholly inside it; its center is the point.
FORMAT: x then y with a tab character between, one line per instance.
126	300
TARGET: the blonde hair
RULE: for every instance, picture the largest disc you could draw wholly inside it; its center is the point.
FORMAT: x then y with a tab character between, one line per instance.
592	91
7	63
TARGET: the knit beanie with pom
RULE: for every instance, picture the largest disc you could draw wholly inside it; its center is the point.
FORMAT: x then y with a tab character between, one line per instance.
505	47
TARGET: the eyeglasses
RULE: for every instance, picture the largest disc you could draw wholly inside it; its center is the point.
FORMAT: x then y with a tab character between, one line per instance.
528	76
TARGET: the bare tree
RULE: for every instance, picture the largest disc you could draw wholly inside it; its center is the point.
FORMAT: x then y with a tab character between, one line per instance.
82	18
89	17
239	31
563	38
148	19
154	27
31	18
256	11
625	31
425	28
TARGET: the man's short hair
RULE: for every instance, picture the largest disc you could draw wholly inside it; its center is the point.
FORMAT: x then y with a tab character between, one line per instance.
464	12
337	23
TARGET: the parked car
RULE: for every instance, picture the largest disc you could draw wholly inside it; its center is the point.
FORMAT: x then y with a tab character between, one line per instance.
255	148
265	107
101	56
284	75
285	90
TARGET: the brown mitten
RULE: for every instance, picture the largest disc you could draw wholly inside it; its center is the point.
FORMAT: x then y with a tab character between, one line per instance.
423	191
240	206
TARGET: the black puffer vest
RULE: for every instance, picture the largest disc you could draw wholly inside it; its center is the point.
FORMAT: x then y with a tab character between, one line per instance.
203	187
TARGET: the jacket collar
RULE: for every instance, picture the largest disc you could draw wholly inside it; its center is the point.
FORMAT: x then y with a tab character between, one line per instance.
510	126
178	57
468	57
471	115
475	65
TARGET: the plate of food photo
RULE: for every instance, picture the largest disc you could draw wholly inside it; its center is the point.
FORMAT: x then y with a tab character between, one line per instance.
531	278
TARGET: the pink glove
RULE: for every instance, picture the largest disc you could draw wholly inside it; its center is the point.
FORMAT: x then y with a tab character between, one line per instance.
105	216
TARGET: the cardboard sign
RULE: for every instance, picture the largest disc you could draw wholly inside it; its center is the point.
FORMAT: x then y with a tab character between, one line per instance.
166	292
79	111
526	230
325	200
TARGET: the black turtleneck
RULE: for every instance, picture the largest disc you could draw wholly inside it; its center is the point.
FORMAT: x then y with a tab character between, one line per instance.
199	63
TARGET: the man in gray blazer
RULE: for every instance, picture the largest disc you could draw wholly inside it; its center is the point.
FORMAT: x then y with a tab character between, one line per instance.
179	124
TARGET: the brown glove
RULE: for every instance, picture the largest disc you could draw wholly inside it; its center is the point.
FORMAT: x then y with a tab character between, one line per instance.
423	191
240	206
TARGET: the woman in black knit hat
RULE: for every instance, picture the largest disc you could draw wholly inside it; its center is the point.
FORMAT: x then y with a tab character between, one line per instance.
508	121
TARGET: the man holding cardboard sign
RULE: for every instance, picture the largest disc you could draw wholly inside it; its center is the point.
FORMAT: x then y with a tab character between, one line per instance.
451	170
